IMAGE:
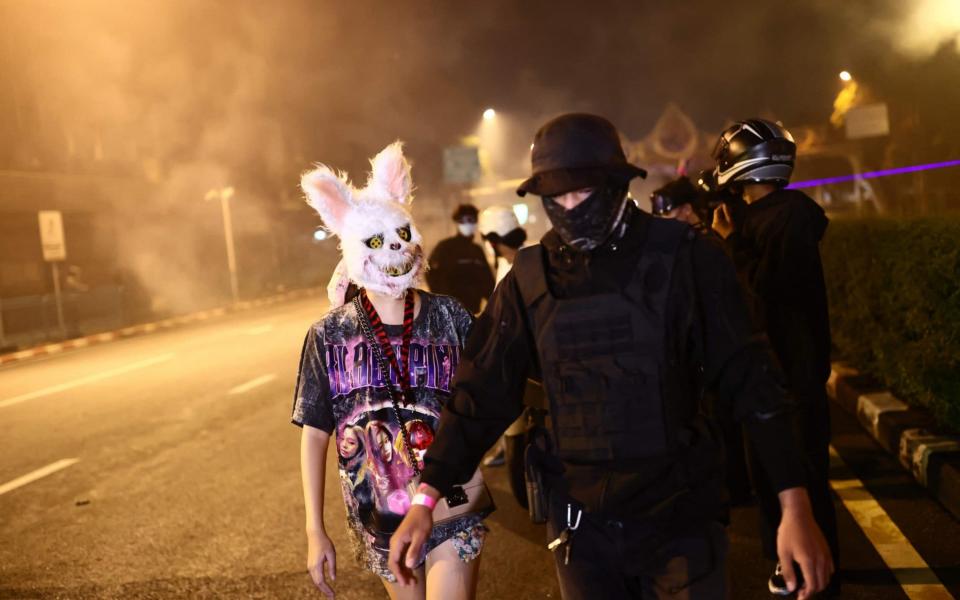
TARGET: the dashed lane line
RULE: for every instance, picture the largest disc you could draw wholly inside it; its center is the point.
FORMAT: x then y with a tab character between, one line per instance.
61	387
257	382
38	474
916	578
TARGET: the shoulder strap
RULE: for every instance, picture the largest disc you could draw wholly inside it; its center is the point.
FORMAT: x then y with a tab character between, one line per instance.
530	274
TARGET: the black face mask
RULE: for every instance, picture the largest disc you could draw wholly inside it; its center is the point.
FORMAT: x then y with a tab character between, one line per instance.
590	223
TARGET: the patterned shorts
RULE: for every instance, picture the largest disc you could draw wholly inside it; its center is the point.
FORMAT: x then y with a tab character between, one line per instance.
467	534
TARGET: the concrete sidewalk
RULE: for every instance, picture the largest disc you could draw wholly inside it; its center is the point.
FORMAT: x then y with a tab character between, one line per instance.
908	433
144	328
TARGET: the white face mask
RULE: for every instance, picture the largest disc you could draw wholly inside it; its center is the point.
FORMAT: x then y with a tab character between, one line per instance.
466	229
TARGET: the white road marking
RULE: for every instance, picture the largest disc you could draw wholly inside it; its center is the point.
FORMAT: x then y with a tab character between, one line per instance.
85	380
916	578
38	474
246	387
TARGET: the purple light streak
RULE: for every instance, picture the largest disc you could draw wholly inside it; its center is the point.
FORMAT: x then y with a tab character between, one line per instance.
873	174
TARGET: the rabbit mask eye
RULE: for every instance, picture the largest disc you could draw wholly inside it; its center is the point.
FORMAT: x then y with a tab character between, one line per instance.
404	233
376	242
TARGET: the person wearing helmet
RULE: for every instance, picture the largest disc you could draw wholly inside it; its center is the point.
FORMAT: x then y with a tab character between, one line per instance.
625	319
501	229
775	246
458	267
680	199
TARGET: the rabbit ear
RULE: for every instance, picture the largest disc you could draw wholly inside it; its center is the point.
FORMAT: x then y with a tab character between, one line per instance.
390	173
329	194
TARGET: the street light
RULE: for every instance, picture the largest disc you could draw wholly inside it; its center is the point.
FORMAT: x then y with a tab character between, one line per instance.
225	194
489	114
845	76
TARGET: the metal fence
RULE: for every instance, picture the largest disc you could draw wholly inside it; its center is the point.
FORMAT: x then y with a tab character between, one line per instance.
30	320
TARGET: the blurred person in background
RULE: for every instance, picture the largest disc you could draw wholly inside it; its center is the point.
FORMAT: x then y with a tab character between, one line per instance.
775	246
680	199
500	228
458	266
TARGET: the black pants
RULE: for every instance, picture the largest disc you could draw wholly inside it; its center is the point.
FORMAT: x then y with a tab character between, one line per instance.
735	462
813	431
616	560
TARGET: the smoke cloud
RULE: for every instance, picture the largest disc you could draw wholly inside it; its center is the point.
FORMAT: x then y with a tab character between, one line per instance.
191	96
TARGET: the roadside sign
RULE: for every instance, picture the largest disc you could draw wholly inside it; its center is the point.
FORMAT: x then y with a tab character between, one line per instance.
461	164
869	120
51	235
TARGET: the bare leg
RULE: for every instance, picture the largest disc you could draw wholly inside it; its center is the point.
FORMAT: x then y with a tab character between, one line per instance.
448	577
417	591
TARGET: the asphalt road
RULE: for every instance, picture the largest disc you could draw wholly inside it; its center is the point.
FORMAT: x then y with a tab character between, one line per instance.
186	482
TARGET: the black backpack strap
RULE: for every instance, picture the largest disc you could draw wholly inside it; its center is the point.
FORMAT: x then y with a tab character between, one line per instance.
530	274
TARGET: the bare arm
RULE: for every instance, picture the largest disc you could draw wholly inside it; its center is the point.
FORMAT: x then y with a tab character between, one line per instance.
799	540
320	550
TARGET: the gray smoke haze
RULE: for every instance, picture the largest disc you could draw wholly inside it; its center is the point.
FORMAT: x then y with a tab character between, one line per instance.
193	95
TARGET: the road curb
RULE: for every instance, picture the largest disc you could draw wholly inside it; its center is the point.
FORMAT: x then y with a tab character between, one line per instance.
162	325
908	433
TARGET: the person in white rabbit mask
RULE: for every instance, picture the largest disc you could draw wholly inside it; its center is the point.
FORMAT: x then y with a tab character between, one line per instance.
350	386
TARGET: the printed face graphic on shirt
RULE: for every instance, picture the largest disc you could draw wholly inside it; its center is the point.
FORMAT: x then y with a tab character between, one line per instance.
382	441
349	443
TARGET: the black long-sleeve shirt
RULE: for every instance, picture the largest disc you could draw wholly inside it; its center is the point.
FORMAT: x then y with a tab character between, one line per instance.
500	354
459	268
776	251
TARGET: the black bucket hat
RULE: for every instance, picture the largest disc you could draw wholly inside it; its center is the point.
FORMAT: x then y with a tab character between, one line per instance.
576	151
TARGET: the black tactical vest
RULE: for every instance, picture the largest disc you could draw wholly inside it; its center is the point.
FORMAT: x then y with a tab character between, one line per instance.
603	357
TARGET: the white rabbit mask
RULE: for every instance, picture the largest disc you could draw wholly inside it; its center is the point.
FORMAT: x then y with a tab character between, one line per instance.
380	244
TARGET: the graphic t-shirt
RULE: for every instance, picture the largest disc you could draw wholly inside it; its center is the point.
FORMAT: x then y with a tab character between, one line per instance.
341	388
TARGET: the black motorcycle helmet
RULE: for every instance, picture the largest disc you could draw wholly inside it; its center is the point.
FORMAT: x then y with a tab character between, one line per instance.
754	151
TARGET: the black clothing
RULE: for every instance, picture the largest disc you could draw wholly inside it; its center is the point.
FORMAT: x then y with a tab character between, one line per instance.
620	560
776	250
613	395
735	462
459	268
674	194
500	354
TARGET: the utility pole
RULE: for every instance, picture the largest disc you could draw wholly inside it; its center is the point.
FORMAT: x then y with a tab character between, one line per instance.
225	194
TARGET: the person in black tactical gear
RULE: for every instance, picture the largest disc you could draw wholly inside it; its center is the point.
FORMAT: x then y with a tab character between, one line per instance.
680	199
775	245
458	266
625	319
